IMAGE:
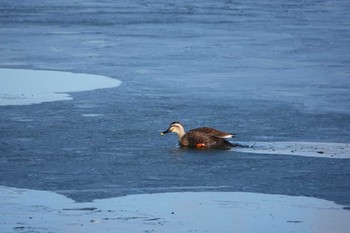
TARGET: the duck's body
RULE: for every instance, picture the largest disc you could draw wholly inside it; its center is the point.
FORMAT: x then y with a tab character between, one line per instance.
203	137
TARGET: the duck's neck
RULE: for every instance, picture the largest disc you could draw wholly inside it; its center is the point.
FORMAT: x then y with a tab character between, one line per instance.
180	132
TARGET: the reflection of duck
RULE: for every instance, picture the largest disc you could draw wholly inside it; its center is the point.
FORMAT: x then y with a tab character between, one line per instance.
201	137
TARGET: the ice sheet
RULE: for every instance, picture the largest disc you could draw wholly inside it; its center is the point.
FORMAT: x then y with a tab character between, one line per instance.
42	211
313	149
23	87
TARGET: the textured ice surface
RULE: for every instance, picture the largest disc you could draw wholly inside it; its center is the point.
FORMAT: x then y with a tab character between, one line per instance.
42	211
313	149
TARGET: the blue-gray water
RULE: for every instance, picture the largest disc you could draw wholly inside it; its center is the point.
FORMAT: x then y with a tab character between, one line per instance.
265	70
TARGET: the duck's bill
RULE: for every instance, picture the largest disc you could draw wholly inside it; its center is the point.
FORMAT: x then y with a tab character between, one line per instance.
165	132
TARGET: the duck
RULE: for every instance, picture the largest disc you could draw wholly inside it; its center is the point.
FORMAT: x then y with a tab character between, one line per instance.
200	138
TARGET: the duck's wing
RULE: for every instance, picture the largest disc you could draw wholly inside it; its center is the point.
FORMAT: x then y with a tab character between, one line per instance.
198	139
214	132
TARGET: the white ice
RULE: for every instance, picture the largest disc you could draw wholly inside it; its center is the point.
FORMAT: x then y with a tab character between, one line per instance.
309	149
43	211
24	87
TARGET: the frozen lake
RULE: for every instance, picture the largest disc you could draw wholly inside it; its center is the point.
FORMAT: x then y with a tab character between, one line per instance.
268	71
42	211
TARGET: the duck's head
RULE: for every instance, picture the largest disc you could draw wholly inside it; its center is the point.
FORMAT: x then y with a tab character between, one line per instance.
175	127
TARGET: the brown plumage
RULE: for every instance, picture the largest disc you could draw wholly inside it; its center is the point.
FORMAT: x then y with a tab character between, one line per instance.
202	138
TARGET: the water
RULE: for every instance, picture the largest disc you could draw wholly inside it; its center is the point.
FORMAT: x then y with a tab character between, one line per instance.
265	70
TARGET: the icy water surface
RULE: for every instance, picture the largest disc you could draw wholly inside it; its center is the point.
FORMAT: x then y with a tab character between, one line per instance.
42	211
265	70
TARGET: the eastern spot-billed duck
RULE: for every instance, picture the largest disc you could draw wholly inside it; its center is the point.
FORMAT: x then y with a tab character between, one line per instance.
201	138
